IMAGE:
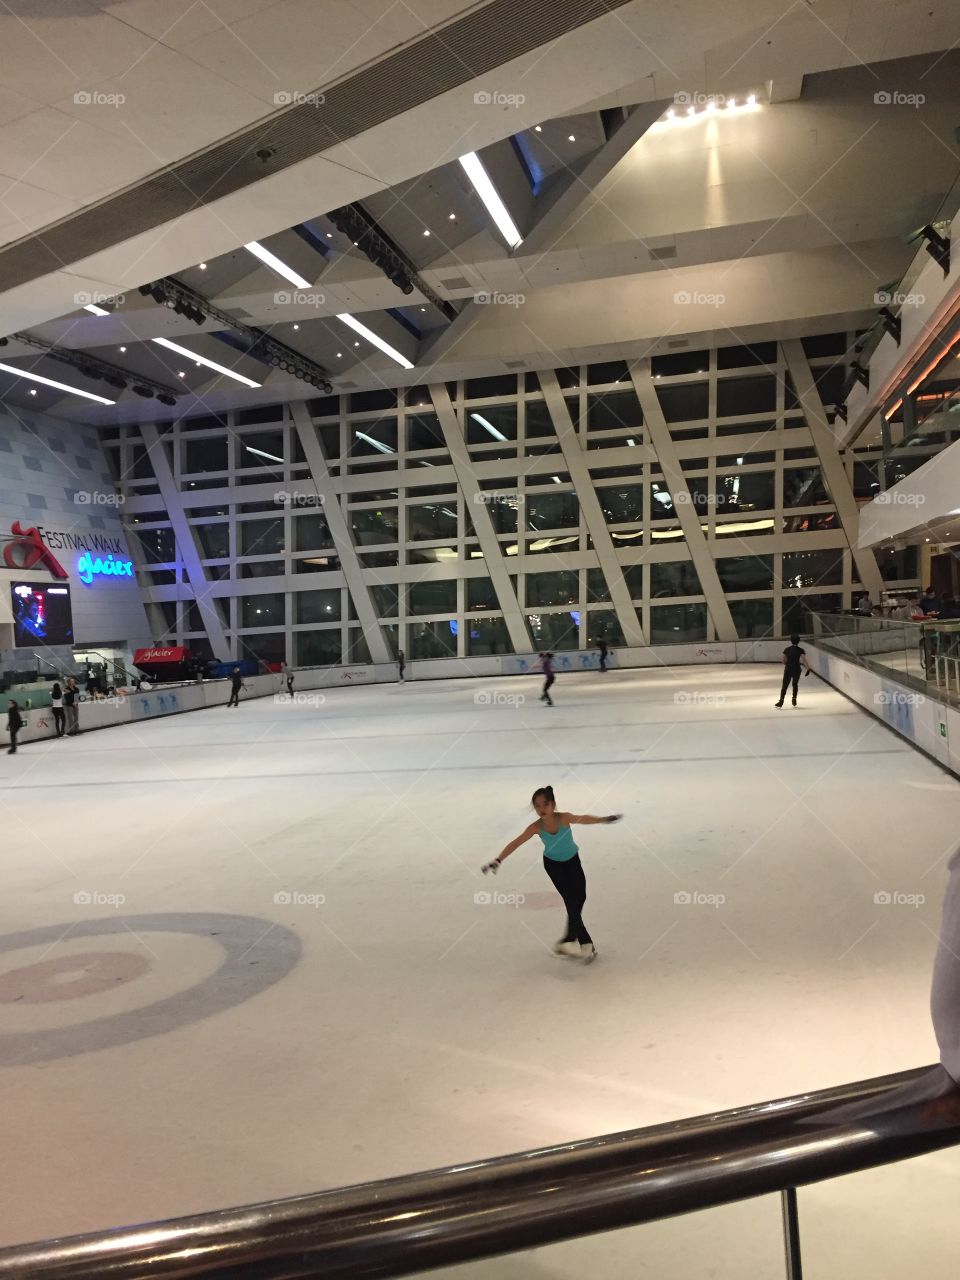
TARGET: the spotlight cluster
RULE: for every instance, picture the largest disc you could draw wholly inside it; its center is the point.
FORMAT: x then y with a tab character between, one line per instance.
169	294
100	370
354	223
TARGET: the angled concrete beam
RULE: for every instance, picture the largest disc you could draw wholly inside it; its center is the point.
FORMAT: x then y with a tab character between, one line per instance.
559	202
576	463
658	434
340	532
187	543
480	514
831	464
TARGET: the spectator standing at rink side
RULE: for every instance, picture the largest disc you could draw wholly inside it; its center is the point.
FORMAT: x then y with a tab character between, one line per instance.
14	725
71	705
865	605
794	660
287	676
56	706
401	664
236	684
602	646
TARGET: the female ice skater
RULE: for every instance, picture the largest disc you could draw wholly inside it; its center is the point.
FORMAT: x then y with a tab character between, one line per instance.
793	657
561	861
546	666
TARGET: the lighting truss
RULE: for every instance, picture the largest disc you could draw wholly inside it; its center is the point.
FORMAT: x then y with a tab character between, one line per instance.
93	367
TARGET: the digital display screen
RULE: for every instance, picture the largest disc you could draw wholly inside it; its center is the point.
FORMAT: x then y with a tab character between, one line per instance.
41	614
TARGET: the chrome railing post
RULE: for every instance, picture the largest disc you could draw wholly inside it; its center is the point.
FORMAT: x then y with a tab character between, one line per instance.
791	1233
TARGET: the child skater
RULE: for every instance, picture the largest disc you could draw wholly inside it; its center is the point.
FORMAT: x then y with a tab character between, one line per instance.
561	861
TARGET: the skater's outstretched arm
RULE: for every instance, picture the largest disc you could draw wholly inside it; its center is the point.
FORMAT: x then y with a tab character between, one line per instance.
506	851
589	817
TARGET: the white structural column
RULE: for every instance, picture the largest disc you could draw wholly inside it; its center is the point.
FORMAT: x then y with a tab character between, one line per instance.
576	464
480	513
658	435
831	464
187	543
340	532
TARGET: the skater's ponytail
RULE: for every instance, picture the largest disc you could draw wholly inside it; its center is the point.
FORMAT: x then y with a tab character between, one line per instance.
547	793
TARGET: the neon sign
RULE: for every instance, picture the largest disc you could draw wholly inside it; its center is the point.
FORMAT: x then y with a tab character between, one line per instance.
90	568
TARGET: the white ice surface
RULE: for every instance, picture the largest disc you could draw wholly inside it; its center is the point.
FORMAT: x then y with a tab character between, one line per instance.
422	1028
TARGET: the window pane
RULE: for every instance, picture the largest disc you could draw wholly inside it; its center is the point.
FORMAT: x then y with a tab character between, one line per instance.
434	597
214	540
362	435
501	384
251	447
481	595
552	511
683	403
613	410
271	647
260	569
385	600
539	422
159	545
490	422
487	635
262	611
896	565
319	563
261	537
424	432
661	503
603	624
597	589
678	623
205	455
746	395
678	578
432	521
554	630
745	573
318	606
621	504
374	525
611	371
317	648
561	587
803	487
432	640
745	491
740	357
795	610
812	568
752	618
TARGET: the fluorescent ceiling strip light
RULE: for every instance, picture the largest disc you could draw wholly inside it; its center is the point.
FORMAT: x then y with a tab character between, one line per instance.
384	448
497	435
370	336
260	453
473	168
95	310
209	364
276	264
49	382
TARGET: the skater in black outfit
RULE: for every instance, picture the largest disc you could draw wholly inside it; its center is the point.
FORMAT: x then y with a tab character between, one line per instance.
602	646
546	666
401	663
561	861
56	706
14	725
794	661
236	684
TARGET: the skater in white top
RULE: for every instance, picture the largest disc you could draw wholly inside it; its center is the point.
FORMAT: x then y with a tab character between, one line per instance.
561	861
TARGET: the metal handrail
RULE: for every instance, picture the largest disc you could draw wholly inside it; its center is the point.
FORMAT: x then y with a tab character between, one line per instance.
410	1224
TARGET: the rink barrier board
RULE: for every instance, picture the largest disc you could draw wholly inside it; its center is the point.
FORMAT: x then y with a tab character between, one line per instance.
150	706
928	724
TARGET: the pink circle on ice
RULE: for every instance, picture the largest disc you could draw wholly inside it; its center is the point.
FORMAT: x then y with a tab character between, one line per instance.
71	977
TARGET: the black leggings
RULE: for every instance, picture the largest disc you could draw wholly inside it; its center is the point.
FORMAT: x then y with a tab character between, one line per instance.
58	719
787	677
546	687
571	884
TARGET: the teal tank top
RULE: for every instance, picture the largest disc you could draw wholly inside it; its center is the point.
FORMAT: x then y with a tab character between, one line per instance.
559	847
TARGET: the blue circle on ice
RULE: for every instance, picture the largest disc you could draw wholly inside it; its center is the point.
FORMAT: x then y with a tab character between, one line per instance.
259	954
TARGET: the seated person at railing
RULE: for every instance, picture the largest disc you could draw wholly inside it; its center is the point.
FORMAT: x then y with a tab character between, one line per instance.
905	610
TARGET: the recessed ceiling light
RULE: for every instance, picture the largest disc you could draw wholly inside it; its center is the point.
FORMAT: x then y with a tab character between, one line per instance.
203	266
329	235
356	344
537	129
426	232
33	391
423	308
181	374
296	326
339	355
571	138
122	350
49	382
453	217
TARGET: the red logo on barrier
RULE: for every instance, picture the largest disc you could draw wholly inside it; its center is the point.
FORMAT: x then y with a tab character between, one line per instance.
33	551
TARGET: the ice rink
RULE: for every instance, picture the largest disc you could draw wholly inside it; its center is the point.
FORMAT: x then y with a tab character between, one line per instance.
249	953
